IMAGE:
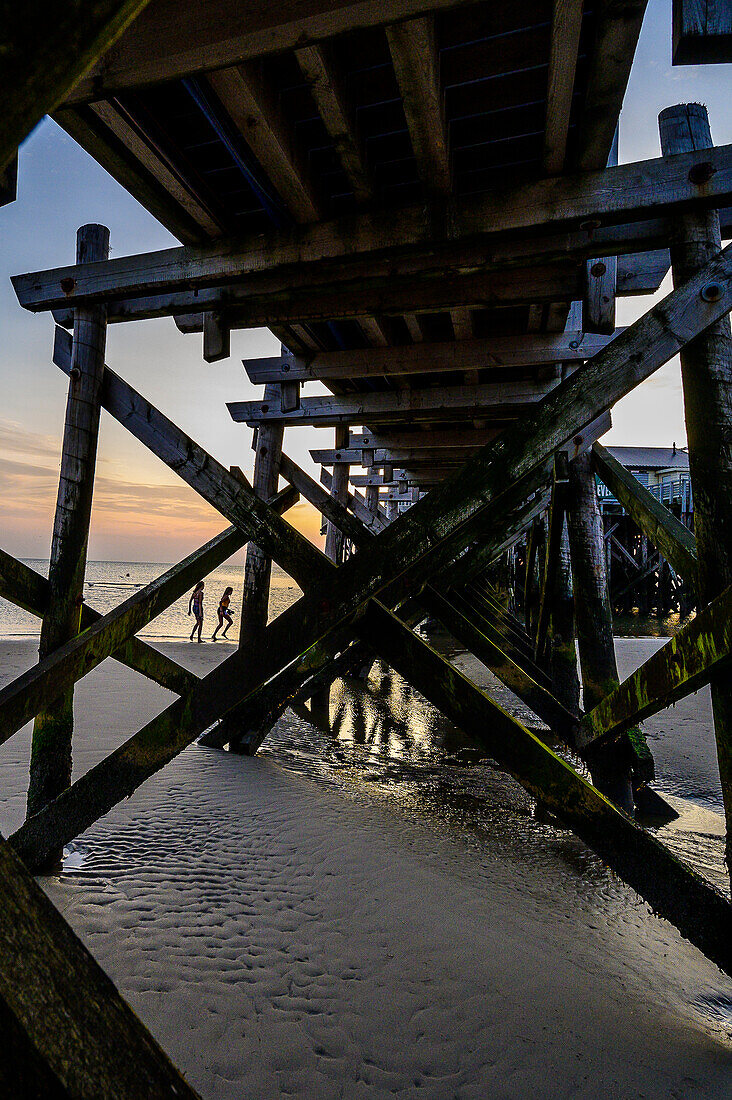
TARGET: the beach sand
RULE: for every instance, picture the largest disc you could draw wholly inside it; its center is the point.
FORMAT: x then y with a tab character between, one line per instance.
379	924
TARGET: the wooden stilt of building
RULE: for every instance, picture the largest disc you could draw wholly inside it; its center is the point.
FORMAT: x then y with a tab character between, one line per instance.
563	649
50	767
610	765
706	371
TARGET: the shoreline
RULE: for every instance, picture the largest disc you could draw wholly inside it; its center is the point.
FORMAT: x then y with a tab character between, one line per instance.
347	916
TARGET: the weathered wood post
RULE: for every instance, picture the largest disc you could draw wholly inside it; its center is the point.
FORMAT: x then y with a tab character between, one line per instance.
610	765
258	567
339	492
706	372
372	499
563	650
50	766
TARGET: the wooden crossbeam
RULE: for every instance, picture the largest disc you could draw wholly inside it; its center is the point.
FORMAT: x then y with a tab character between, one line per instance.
42	61
40	685
486	492
688	661
459	355
351	527
396	458
67	1030
25	588
435	403
627	193
667	533
356	504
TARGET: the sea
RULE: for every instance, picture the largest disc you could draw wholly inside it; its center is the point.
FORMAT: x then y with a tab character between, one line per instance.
108	583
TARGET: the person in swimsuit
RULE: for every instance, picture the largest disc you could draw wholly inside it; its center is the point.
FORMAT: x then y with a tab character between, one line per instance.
195	604
224	613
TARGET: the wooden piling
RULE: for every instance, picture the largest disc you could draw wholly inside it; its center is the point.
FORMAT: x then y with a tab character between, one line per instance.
706	372
562	645
50	766
339	492
610	767
258	566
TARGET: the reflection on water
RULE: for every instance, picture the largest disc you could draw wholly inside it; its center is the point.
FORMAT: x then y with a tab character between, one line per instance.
649	626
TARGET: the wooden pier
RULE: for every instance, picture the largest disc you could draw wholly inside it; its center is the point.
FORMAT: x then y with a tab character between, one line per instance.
421	199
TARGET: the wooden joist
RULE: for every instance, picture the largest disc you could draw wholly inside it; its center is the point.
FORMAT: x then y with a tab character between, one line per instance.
566	27
336	114
163	47
440	403
25	588
667	533
689	660
617	32
627	193
356	505
67	1031
44	59
495	353
415	58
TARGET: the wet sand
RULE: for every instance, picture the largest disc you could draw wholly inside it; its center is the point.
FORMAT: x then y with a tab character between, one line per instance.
353	918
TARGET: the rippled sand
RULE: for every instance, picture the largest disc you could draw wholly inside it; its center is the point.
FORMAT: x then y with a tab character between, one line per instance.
347	916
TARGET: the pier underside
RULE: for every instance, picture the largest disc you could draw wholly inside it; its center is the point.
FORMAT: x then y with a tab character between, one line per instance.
422	201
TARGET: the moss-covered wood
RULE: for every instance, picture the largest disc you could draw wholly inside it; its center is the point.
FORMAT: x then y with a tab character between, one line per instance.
688	661
67	1032
667	533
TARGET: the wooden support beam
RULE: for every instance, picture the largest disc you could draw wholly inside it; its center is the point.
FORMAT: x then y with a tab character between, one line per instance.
702	32
163	47
36	690
610	766
566	27
555	527
672	889
255	113
617	32
497	352
415	58
356	504
598	307
488	491
695	654
339	493
395	458
626	193
706	374
350	525
222	489
445	402
50	766
27	589
216	337
68	1032
563	638
42	61
667	533
319	71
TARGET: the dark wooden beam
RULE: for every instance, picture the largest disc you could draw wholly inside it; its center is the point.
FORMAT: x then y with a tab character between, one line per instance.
566	27
67	1030
497	353
702	32
43	59
629	192
435	403
667	533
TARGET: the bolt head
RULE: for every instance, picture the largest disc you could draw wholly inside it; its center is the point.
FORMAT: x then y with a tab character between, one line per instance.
712	292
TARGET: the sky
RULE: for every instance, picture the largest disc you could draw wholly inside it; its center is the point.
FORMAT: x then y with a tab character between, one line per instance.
142	511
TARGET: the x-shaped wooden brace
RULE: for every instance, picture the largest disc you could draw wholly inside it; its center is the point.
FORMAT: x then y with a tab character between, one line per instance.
398	563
